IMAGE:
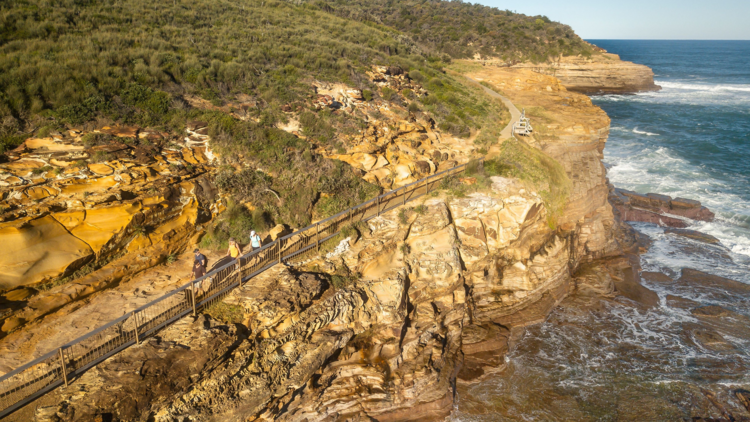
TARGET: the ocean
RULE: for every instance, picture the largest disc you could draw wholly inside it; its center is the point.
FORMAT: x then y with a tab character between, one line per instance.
613	360
691	139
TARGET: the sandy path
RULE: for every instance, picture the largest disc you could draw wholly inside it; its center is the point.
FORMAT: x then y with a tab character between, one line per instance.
80	317
514	113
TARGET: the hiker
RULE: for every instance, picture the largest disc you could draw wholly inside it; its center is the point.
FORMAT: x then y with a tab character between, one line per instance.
234	249
254	240
199	264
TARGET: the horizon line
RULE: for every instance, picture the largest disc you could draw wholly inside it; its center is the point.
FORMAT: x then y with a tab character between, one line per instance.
663	39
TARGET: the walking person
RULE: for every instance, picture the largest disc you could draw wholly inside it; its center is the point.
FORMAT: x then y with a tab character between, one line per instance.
199	264
199	270
254	240
234	250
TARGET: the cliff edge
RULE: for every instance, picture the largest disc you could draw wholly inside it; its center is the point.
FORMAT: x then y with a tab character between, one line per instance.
601	73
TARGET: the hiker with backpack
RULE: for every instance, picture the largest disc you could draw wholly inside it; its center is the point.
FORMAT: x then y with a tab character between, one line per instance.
254	240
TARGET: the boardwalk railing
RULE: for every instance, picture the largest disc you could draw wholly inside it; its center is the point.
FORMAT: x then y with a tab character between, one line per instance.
60	366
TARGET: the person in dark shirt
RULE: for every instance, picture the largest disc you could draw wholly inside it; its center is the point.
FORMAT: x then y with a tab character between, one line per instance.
199	265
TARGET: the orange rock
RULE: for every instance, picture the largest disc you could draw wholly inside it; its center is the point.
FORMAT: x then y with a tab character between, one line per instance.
468	180
102	169
24	164
51	144
39	192
139	242
87	185
35	250
121	131
100	225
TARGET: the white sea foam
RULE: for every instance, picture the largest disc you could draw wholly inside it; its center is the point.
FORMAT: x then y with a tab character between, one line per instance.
704	87
640	132
690	93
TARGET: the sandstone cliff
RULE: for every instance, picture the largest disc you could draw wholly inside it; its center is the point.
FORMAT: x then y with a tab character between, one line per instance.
384	326
602	73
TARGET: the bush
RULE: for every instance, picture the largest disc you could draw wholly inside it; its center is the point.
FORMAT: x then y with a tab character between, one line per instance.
236	222
226	313
367	94
403	217
388	94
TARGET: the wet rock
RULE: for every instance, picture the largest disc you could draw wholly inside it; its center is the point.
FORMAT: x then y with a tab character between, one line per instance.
711	311
631	288
656	277
694	234
714	286
706	337
681	302
650	207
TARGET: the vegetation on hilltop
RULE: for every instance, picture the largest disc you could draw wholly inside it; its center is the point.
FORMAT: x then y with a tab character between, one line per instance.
89	63
461	29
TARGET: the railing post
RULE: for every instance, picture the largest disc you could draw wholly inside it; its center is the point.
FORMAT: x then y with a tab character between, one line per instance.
64	369
427	185
404	203
192	294
135	322
317	236
279	243
378	205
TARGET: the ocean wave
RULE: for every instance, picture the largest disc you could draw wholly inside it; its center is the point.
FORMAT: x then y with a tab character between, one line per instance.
640	132
704	87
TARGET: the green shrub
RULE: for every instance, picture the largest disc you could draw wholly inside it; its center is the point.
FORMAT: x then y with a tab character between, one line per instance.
405	249
388	94
420	209
367	94
236	222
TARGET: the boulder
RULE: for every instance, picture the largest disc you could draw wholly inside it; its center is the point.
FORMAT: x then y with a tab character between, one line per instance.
38	250
279	231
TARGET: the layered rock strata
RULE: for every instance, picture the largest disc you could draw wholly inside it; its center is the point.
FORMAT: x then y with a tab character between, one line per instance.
658	209
126	203
383	327
602	73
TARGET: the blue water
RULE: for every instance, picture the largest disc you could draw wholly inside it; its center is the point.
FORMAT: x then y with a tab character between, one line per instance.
691	139
612	361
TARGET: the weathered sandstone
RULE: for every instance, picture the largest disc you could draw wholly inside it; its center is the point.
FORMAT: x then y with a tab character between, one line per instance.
602	73
383	326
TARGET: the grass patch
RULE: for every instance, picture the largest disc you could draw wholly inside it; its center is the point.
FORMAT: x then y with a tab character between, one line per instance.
226	313
545	175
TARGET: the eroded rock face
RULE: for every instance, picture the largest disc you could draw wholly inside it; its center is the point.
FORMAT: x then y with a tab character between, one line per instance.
434	300
573	131
599	74
396	147
390	345
132	201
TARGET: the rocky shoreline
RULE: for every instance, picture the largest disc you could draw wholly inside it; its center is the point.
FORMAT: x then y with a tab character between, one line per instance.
417	302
